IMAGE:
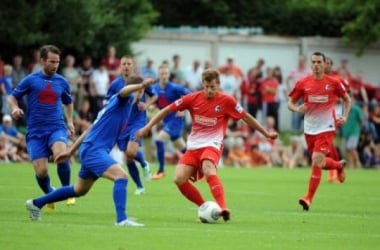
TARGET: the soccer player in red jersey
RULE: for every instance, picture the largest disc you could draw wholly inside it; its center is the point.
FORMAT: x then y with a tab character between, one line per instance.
319	93
210	110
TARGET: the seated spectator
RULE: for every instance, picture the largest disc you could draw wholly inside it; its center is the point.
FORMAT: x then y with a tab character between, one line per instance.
258	158
237	156
373	160
293	154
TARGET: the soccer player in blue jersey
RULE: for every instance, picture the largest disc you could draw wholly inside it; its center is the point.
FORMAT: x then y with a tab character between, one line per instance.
174	123
47	135
137	120
96	143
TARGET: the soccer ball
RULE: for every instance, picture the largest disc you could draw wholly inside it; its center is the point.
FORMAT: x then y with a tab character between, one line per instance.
209	212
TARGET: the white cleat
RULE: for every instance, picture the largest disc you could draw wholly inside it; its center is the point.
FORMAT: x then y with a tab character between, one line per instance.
147	173
140	191
34	211
128	223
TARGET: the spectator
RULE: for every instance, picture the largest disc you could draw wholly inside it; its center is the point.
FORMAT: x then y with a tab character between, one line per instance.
250	92
230	66
295	75
193	76
269	89
343	70
35	64
229	84
18	72
177	75
6	87
98	88
111	63
147	70
72	75
258	158
237	156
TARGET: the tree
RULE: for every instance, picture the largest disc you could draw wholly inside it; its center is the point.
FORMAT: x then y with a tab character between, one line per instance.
78	26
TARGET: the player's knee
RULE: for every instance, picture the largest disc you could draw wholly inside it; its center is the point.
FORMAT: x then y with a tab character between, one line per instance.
179	180
41	172
130	155
318	160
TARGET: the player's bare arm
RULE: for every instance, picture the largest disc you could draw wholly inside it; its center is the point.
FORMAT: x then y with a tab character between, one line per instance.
69	117
253	123
16	111
292	106
65	156
127	90
347	107
155	119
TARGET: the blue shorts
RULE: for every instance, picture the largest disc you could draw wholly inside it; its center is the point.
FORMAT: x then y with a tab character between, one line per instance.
130	136
94	161
38	145
174	128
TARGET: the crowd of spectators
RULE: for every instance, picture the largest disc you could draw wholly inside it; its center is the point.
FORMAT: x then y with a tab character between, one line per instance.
262	89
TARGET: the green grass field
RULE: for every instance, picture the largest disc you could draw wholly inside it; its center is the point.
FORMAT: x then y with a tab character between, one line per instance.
265	214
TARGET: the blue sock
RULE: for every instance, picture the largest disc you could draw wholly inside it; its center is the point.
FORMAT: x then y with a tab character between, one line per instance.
120	198
160	156
44	184
140	158
134	172
64	173
59	194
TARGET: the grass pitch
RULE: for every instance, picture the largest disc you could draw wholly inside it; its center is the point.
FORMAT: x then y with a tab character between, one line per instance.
263	202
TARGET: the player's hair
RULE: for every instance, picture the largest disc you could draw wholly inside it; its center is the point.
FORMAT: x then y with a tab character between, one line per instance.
317	53
134	79
330	60
127	57
44	50
209	75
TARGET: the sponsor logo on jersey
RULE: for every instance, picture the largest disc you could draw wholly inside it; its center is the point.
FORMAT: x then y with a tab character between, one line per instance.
327	87
217	109
206	121
318	98
239	108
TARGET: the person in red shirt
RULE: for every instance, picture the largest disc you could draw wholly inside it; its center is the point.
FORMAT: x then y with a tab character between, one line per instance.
319	93
210	110
112	63
333	174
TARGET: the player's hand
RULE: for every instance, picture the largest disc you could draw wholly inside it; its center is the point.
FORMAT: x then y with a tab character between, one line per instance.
302	109
141	106
62	157
148	81
272	135
180	114
71	128
141	133
341	121
17	113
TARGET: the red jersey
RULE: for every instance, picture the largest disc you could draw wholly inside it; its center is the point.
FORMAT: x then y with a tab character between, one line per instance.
209	117
319	96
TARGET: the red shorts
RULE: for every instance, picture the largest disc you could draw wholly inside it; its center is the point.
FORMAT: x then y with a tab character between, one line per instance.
321	143
195	157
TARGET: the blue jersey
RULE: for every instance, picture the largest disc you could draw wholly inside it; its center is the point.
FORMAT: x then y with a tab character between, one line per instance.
45	96
137	117
167	95
110	123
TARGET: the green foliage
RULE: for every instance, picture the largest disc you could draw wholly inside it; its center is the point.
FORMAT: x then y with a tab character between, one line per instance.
263	202
79	26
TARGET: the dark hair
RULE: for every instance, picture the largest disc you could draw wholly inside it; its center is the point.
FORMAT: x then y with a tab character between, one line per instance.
210	74
317	53
44	50
134	79
329	59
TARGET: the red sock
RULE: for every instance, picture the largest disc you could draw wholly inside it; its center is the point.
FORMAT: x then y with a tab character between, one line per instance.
217	190
314	181
331	164
191	193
